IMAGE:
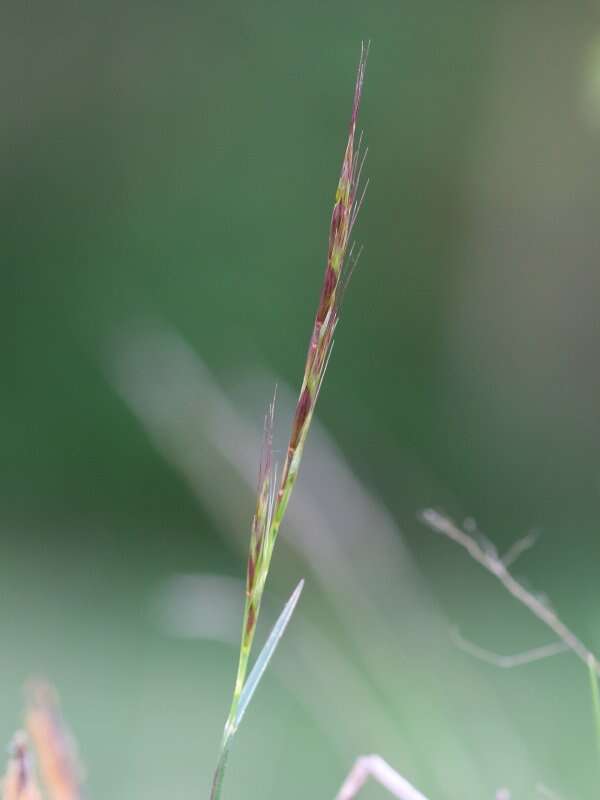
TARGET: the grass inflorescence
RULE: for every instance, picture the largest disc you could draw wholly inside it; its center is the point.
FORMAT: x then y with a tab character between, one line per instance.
274	492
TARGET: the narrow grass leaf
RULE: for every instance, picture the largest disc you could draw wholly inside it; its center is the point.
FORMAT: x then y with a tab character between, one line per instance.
266	653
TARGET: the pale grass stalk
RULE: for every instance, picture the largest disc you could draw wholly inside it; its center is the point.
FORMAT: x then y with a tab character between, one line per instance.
519	547
379	770
497	567
503	661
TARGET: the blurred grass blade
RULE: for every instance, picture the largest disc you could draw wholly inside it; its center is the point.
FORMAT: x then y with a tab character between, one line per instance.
266	653
595	699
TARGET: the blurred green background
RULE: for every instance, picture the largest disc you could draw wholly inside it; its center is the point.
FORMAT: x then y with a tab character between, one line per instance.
172	166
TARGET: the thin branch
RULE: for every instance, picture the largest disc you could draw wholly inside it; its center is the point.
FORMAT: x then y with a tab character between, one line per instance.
375	767
441	524
507	662
519	547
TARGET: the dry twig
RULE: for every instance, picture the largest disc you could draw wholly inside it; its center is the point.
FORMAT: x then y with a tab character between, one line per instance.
497	566
519	547
507	662
375	767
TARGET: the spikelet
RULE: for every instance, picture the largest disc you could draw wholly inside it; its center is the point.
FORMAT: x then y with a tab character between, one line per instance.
19	781
263	516
57	754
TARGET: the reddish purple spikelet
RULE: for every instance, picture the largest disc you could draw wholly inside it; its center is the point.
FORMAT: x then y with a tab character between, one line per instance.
336	220
264	502
329	287
250	620
302	411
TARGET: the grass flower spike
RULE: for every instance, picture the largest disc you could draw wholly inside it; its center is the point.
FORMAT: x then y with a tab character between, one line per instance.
337	272
273	495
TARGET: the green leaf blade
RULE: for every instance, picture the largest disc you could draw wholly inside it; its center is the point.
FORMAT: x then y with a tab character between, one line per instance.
262	662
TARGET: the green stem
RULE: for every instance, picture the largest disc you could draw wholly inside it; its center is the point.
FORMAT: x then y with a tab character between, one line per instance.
231	724
215	791
240	678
